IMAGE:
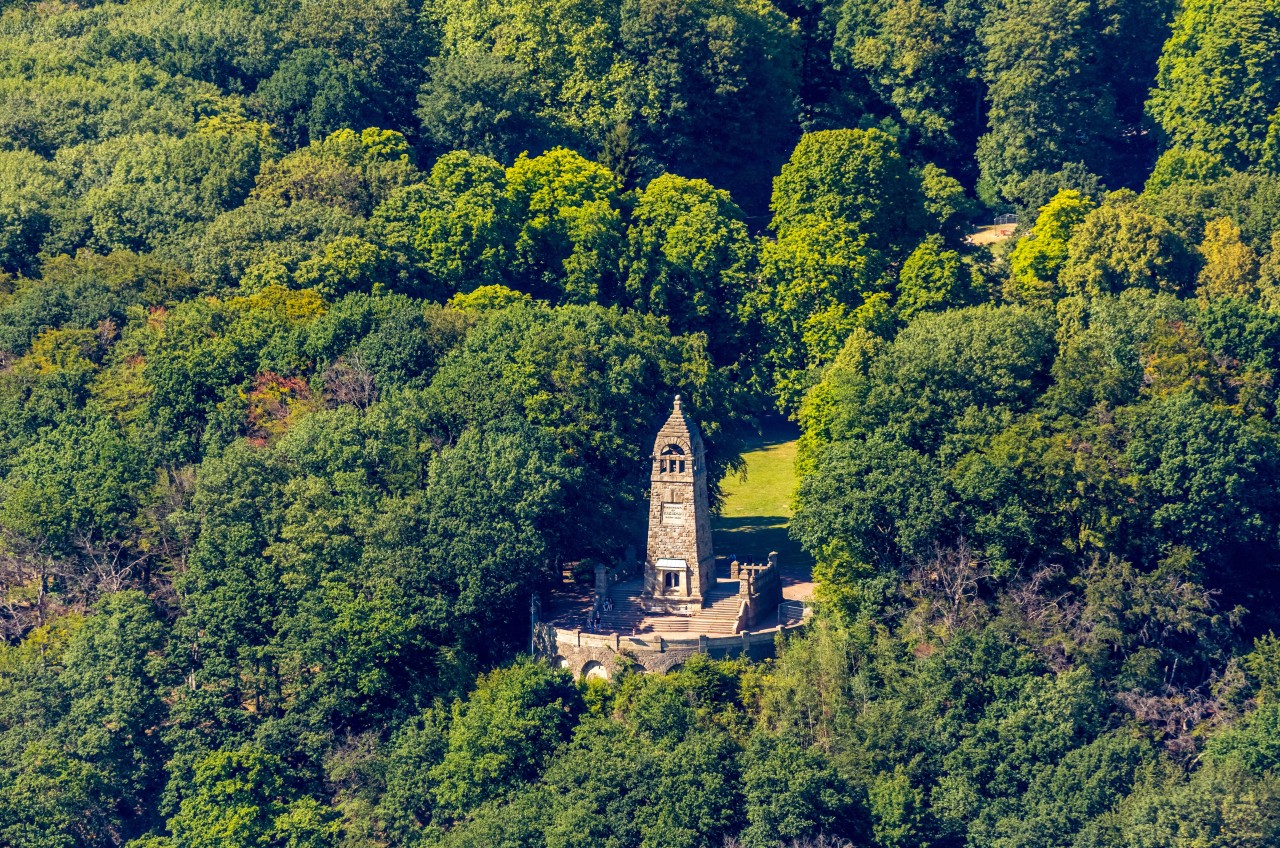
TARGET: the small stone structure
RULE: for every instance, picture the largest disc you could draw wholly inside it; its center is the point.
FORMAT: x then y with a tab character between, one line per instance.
759	586
678	607
603	655
680	564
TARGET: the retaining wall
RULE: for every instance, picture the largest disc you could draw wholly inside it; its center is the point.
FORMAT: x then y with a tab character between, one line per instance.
602	655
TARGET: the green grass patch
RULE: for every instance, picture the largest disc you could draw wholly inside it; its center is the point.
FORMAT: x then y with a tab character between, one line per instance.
757	506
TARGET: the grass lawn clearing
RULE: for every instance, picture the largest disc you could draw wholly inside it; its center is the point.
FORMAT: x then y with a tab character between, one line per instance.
756	510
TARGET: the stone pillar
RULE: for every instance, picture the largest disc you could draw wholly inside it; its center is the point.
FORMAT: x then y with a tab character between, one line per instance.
602	583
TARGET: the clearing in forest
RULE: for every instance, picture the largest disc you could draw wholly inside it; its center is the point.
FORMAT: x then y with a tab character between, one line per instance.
757	508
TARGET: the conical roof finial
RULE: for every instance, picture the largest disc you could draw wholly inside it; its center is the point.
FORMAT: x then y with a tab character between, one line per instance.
676	407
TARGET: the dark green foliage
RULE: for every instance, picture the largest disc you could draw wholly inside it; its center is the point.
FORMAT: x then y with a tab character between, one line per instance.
332	331
595	392
311	94
704	89
792	793
503	736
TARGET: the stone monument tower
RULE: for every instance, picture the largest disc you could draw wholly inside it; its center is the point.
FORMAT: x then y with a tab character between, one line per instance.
679	568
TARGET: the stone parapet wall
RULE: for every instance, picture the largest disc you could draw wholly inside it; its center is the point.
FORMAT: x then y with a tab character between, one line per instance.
759	586
581	652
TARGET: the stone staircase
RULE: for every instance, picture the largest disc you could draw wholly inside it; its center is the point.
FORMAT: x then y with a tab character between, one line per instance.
718	617
627	616
791	612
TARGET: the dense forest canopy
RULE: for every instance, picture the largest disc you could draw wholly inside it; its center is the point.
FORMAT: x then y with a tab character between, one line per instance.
330	331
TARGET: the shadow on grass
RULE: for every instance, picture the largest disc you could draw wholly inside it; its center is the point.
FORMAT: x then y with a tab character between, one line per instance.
774	430
752	537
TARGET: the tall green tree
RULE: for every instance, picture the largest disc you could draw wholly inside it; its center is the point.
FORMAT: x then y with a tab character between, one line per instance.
1217	89
689	259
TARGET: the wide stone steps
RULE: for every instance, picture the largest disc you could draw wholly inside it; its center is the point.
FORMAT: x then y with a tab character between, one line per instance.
718	617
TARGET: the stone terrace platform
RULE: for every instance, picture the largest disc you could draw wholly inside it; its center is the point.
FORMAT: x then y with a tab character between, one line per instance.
660	643
570	608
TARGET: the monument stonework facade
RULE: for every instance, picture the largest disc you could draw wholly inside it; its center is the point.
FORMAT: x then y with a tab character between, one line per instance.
679	566
678	608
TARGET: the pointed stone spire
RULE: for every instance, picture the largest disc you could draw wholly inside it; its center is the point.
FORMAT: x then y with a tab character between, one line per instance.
680	563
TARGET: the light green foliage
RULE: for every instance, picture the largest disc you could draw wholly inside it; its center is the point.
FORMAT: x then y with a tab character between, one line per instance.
689	257
569	229
1217	88
393	226
822	282
486	298
141	192
345	265
1230	266
258	233
845	206
896	810
854	177
29	191
1223	804
1263	666
78	492
60	106
1119	246
1177	166
239	799
1036	261
934	278
463	236
347	170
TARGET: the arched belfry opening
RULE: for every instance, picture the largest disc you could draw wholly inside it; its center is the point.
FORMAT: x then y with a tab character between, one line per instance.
671	460
679	561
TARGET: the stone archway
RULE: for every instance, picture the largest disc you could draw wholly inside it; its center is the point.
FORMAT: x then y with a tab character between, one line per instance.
594	671
559	662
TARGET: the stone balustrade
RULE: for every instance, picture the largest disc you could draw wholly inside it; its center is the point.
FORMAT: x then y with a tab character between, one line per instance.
580	651
759	586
